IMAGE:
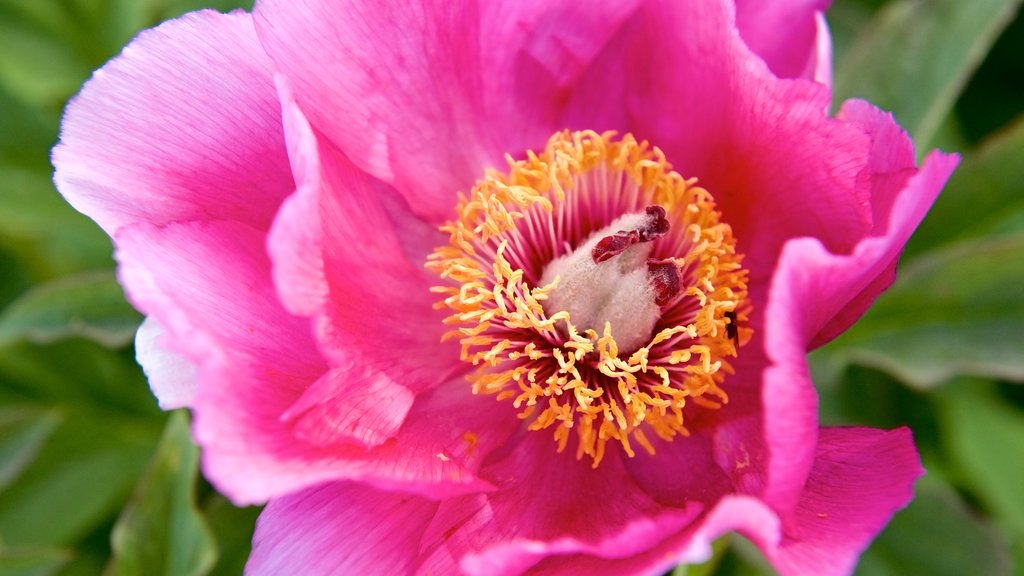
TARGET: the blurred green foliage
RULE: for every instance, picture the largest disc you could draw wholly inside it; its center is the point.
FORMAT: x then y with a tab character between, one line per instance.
94	478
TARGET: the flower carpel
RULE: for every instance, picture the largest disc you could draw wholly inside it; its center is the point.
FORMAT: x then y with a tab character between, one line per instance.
596	289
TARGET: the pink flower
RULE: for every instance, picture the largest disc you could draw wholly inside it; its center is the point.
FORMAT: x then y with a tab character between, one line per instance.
283	192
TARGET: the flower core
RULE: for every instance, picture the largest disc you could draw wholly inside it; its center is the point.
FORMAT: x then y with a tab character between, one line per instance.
596	289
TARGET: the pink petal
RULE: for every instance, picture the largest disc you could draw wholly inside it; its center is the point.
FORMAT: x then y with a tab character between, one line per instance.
340	528
295	242
680	76
552	504
171	376
426	98
379	308
861	477
843	286
183	125
815	294
789	35
350	404
680	472
436	453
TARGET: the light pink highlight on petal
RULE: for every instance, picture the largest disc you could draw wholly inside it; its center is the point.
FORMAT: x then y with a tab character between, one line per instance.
822	67
183	125
172	377
350	404
340	528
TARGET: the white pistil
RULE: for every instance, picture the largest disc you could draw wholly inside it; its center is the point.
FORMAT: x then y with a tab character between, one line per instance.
617	290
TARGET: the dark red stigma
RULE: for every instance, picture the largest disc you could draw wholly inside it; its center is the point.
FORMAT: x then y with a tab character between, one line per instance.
610	246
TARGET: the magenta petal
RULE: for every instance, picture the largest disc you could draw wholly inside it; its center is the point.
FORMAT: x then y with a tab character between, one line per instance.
295	242
340	528
183	125
425	98
789	35
172	377
531	515
351	404
831	290
343	245
861	477
763	146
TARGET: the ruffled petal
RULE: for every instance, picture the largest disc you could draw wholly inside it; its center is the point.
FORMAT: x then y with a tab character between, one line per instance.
171	376
183	125
861	477
340	528
789	35
680	76
426	97
530	517
901	195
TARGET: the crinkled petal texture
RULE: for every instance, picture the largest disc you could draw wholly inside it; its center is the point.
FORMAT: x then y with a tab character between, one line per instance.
274	183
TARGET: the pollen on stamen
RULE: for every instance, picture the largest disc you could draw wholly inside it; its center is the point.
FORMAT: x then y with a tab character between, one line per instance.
596	290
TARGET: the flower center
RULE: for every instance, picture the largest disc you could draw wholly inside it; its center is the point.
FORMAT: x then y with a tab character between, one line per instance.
596	289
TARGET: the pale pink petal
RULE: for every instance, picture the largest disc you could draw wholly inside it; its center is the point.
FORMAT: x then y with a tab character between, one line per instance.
533	516
171	376
340	528
350	404
786	34
183	125
861	477
763	146
425	97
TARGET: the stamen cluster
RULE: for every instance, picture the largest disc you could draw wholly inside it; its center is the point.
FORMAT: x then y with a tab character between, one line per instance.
560	376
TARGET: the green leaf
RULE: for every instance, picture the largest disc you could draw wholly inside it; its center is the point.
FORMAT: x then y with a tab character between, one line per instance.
32	562
936	535
916	57
983	435
23	430
984	192
44	232
89	305
161	532
233	528
952	312
34	65
82	474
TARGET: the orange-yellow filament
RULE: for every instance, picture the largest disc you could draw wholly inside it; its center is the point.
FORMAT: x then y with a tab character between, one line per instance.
555	374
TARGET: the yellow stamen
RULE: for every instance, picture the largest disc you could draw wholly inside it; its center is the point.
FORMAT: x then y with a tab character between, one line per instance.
557	375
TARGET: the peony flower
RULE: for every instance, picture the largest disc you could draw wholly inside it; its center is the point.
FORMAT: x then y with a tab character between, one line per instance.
506	287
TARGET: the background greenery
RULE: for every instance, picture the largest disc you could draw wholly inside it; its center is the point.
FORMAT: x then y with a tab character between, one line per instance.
95	479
